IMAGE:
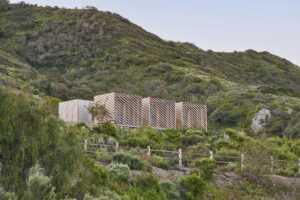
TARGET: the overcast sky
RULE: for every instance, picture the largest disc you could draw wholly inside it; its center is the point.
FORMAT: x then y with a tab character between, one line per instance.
219	25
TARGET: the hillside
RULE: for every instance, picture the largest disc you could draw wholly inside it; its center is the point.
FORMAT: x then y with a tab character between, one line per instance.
77	53
42	158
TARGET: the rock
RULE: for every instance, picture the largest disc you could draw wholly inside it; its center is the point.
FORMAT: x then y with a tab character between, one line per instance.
259	121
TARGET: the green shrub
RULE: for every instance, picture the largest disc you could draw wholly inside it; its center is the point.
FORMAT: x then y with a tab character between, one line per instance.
146	187
160	163
206	168
194	187
38	185
143	137
7	195
36	136
285	172
133	162
89	180
106	128
170	191
148	182
119	172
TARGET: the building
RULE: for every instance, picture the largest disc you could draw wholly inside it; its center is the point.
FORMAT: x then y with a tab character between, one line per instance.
75	111
159	113
191	115
123	109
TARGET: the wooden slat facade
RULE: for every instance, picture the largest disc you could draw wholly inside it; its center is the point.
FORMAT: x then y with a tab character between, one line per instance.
191	115
159	113
124	109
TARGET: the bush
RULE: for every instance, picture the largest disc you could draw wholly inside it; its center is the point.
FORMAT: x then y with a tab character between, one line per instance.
147	187
148	182
170	191
38	185
160	163
119	172
285	172
89	180
7	195
194	187
107	129
36	136
206	168
133	162
143	137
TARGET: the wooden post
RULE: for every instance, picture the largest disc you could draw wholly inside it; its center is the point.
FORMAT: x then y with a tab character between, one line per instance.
85	146
299	165
211	155
180	157
117	146
149	151
242	160
272	164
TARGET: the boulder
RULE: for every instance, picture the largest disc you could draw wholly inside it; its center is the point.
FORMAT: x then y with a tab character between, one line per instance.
259	121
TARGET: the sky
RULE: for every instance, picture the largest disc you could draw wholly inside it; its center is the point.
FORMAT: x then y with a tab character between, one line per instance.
218	25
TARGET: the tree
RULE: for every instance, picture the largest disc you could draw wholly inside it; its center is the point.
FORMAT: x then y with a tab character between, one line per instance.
99	112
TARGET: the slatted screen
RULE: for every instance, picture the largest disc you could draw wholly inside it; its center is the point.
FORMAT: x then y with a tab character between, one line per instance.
191	115
124	109
159	113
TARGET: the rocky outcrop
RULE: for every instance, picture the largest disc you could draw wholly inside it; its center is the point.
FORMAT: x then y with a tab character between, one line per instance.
259	121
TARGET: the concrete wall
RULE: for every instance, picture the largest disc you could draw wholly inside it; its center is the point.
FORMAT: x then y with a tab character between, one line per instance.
75	111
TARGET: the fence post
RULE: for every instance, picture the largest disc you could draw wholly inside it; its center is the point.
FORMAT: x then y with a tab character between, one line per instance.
211	155
85	146
242	160
180	157
272	164
149	151
117	146
299	165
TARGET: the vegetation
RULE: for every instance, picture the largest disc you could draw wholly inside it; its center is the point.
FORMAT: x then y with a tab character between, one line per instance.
78	53
45	158
53	54
194	187
206	168
119	172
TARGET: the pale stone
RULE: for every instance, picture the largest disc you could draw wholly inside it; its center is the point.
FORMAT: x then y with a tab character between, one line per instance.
259	121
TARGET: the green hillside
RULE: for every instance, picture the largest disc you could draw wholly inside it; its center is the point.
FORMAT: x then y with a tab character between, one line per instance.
77	53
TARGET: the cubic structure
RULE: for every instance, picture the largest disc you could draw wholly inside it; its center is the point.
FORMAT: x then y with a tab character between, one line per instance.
75	111
159	113
191	115
123	109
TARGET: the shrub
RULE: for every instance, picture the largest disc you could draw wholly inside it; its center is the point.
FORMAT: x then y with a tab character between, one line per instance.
89	180
160	163
143	137
285	172
133	162
147	187
194	187
38	185
107	129
170	191
230	153
119	172
7	195
206	168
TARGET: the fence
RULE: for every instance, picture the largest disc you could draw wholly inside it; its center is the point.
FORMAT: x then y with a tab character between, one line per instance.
186	158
